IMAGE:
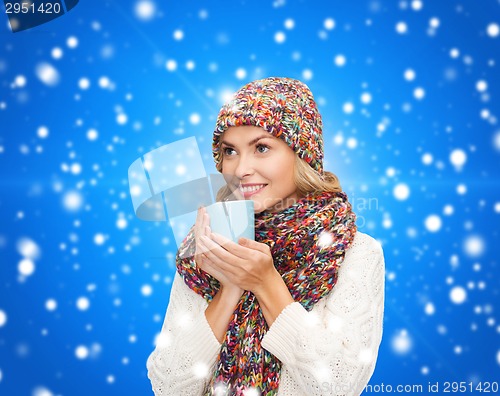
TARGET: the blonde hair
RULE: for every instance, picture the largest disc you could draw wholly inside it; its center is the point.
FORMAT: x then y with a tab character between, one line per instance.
309	180
306	179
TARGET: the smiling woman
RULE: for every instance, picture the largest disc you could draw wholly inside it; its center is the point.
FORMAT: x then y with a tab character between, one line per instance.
297	311
263	164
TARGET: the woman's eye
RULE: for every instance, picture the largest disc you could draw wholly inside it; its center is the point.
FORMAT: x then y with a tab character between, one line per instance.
262	149
227	150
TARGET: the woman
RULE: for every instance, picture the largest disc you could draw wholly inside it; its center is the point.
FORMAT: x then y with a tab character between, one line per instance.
299	310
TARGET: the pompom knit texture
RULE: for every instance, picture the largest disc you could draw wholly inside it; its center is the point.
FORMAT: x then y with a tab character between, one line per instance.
282	106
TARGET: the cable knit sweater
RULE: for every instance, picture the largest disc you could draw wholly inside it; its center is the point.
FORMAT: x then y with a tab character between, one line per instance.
330	350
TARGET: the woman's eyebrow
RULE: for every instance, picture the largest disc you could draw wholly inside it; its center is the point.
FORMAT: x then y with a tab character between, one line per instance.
227	143
267	136
251	143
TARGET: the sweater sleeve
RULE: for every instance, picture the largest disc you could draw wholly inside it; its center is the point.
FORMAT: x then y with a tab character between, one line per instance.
332	349
186	349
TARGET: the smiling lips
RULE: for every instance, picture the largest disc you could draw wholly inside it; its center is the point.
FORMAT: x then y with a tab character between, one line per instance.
250	189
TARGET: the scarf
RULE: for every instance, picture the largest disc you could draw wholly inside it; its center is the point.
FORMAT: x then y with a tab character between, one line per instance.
308	241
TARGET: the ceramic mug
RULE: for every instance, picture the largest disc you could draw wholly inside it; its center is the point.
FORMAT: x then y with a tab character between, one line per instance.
232	219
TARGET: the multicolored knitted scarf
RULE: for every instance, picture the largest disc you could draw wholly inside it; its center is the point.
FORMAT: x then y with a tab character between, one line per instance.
308	241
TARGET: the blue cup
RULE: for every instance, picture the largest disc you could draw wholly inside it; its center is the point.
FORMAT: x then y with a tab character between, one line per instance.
232	219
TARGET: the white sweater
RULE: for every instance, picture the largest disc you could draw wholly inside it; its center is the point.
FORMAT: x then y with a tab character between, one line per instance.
330	350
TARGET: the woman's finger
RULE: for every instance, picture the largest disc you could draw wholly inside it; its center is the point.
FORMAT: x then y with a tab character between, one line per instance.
202	220
230	246
200	247
198	223
205	223
219	256
198	259
219	266
209	259
251	244
214	270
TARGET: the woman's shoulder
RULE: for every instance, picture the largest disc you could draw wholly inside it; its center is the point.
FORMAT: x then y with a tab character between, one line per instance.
360	276
363	263
364	245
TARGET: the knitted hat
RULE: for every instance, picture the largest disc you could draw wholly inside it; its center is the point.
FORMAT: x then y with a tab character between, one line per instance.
285	108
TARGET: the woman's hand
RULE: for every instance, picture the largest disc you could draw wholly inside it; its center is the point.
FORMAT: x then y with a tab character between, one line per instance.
201	230
220	309
247	264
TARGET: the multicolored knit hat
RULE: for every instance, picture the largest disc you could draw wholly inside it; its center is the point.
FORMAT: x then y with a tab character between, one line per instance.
285	108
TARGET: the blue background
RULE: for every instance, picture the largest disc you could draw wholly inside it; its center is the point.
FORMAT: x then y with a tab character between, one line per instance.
67	227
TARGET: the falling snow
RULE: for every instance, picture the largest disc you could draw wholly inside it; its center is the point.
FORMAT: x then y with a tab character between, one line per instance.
340	60
409	75
81	352
51	304
3	318
433	223
42	391
493	29
474	245
42	132
279	37
458	158
458	295
401	27
329	23
401	342
401	192
145	10
410	122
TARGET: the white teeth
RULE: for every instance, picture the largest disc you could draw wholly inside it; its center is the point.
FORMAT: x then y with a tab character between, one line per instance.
251	188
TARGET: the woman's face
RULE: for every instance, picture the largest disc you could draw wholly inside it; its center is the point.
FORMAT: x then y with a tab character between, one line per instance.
263	165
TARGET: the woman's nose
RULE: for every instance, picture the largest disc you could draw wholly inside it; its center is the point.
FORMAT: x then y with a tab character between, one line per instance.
244	167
